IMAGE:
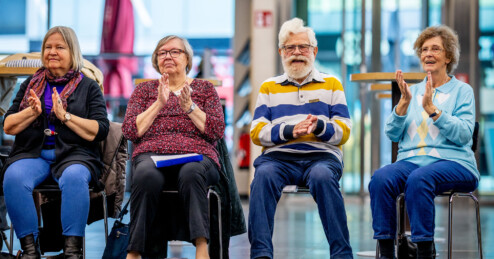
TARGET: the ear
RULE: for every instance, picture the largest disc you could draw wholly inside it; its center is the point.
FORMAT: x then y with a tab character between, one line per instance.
279	51
448	60
315	51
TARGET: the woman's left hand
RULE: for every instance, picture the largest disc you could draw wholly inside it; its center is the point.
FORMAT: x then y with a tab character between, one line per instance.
185	100
427	99
57	105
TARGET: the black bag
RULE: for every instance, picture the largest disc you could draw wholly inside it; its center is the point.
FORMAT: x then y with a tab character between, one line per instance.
118	240
4	255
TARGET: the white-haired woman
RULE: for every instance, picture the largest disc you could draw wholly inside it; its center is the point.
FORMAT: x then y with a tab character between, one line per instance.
58	117
433	123
173	115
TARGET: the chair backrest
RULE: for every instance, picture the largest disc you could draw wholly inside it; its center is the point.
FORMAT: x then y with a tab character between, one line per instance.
215	82
475	137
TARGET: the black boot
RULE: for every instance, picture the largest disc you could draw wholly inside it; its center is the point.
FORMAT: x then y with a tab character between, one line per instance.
426	250
30	248
73	247
386	248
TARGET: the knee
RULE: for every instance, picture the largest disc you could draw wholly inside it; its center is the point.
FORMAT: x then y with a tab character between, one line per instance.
75	175
380	180
323	174
14	177
192	174
264	175
417	181
147	180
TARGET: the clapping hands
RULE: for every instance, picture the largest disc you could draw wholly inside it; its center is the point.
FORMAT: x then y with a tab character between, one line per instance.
305	127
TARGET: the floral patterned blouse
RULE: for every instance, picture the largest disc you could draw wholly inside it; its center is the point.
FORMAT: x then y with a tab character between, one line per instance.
172	131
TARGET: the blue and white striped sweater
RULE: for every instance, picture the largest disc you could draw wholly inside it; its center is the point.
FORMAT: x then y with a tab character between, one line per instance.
280	106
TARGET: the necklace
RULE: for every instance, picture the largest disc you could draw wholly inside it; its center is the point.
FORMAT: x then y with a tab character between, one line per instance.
444	82
177	88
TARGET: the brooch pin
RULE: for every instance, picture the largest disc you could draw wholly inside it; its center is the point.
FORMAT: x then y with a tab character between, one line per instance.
49	132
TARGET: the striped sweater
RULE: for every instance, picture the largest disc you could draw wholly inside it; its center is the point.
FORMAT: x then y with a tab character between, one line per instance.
282	103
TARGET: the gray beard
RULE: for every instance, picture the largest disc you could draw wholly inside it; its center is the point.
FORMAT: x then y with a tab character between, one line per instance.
298	73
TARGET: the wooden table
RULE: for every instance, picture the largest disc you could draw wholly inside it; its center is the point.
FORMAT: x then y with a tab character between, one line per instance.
379	80
17	71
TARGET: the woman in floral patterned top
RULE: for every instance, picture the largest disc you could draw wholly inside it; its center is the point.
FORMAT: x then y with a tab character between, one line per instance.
172	115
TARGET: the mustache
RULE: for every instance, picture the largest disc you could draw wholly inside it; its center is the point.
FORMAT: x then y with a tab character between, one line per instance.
299	57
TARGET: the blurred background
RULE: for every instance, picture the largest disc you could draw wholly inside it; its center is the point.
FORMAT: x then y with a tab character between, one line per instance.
235	41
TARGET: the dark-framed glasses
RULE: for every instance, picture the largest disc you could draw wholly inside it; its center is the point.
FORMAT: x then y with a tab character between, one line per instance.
303	48
174	53
434	50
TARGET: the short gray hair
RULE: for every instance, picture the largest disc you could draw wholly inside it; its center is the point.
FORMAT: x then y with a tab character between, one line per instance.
294	26
188	52
70	39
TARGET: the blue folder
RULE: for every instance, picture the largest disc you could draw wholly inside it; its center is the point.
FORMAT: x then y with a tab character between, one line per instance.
169	160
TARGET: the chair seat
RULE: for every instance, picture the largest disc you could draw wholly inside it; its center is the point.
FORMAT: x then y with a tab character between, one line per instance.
296	189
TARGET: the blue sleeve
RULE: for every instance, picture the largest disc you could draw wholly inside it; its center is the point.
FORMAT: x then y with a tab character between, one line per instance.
395	126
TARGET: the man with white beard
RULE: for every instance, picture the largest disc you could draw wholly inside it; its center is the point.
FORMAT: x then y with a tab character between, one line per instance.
301	120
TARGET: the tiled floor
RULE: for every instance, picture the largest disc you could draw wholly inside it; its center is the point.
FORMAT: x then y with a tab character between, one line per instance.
298	232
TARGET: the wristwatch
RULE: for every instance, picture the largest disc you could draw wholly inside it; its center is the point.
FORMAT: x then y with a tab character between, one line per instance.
67	116
192	108
436	112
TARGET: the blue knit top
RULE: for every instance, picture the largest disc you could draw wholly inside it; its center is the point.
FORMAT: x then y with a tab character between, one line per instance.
423	141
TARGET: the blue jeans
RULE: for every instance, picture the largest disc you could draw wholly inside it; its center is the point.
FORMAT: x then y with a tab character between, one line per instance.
420	185
22	176
321	176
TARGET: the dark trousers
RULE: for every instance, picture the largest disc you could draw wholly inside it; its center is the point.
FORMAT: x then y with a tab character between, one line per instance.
190	179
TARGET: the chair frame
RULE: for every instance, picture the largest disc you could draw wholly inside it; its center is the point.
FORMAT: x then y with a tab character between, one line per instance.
400	215
220	229
54	188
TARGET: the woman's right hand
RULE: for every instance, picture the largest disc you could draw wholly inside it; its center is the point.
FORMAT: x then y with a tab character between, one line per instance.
163	90
34	103
406	94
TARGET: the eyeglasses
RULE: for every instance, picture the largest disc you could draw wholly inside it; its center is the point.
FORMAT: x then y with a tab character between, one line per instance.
303	48
174	53
434	50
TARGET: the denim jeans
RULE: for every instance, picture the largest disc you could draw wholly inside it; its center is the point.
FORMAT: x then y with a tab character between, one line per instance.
321	176
22	176
420	185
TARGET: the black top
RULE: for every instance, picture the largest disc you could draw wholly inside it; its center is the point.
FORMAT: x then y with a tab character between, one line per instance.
86	102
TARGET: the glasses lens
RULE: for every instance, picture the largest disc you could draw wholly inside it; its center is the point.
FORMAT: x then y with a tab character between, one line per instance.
175	53
304	48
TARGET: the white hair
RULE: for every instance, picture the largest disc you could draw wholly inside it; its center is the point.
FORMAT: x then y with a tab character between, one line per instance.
294	26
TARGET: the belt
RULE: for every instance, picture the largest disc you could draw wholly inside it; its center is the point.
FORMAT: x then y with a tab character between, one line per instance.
49	146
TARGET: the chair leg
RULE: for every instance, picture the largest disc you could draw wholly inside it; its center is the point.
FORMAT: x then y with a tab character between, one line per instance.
4	238
220	229
400	221
84	247
450	225
11	248
479	234
105	215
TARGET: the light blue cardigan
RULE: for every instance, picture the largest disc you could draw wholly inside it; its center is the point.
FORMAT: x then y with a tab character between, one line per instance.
423	141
